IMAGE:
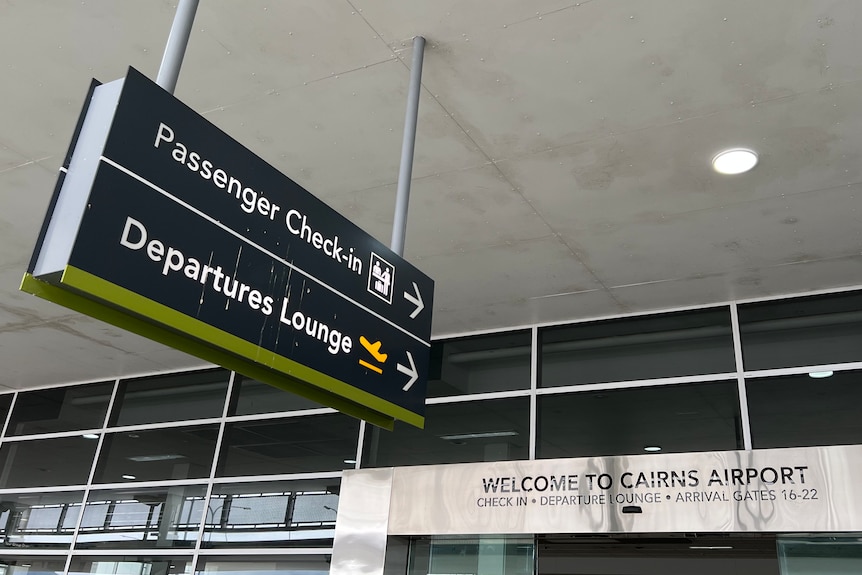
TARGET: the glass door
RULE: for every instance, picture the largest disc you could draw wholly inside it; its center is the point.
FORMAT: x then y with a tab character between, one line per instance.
820	555
472	556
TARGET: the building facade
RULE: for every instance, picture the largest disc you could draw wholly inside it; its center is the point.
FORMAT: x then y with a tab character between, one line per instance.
210	472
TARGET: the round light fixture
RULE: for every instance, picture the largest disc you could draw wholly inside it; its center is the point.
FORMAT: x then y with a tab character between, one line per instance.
652	448
735	161
820	374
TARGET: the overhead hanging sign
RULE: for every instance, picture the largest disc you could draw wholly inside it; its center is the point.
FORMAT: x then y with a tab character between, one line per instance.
166	226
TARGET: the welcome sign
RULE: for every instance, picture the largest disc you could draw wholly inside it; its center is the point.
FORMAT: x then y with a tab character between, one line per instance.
164	225
769	490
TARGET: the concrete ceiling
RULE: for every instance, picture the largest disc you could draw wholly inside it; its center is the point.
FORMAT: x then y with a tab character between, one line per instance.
563	152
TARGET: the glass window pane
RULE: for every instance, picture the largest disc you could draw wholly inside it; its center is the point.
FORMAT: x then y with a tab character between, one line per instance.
676	418
264	565
825	555
136	517
480	364
628	349
488	430
799	411
272	514
39	520
251	396
130	565
45	462
32	564
802	331
472	555
60	409
290	445
174	397
173	453
5	402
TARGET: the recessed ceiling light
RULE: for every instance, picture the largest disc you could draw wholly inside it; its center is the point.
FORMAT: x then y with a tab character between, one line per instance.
710	546
820	374
652	448
127	476
90	436
350	461
735	161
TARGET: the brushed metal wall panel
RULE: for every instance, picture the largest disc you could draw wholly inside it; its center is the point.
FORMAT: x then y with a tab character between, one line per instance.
775	490
359	547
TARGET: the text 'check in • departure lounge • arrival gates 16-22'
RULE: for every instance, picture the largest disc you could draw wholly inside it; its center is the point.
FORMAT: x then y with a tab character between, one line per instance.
164	225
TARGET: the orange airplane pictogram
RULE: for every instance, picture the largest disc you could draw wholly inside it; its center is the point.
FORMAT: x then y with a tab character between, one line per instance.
374	350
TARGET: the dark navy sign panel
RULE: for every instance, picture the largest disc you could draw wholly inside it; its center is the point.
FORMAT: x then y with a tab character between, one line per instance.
144	108
110	248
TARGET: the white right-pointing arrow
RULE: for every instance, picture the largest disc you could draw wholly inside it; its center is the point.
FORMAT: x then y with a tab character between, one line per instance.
411	371
415	300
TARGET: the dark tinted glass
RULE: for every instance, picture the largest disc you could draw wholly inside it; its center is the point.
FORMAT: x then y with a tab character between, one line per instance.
251	396
60	409
175	397
669	345
676	418
36	520
480	364
134	517
37	565
798	410
273	514
5	402
44	462
174	453
802	331
136	565
490	430
290	445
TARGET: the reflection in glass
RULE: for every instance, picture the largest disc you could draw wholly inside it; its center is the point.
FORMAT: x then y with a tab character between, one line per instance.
480	364
472	555
488	430
800	411
628	349
251	396
45	462
264	565
172	453
676	418
60	409
802	331
289	445
31	565
130	565
37	520
275	514
150	517
174	397
832	555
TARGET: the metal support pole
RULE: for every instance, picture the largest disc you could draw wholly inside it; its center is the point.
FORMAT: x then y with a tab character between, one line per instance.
405	173
175	49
